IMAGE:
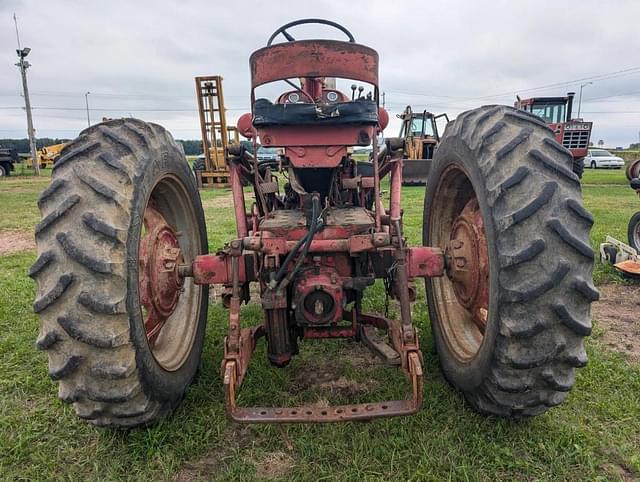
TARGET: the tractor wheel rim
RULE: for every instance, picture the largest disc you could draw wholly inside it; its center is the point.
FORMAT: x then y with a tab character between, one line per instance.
636	234
461	299
169	303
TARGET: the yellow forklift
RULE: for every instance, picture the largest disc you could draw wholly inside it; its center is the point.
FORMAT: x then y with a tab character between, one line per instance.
210	169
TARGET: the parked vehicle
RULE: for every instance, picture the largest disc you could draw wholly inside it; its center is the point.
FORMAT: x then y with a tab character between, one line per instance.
557	113
7	158
268	154
47	156
419	138
600	158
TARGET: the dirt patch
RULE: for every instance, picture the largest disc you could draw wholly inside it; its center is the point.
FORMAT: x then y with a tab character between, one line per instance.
618	315
620	472
16	241
211	465
327	376
274	466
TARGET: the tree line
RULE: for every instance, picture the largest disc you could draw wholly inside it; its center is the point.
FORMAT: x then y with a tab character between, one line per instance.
191	147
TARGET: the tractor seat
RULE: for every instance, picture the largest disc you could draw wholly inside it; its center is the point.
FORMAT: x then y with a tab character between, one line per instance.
360	112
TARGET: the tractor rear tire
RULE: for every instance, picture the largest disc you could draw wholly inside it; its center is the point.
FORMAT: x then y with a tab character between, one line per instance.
88	299
539	274
633	231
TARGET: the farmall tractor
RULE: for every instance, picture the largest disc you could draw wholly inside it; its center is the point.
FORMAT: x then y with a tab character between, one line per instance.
123	272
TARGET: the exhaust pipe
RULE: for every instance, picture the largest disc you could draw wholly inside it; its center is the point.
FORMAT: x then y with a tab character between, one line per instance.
570	96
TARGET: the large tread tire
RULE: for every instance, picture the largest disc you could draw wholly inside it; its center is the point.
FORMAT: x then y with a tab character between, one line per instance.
87	274
199	165
633	231
541	262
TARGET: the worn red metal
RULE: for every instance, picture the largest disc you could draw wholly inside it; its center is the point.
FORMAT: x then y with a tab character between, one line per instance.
424	261
159	279
315	247
208	269
314	58
318	296
574	134
468	268
314	156
304	136
238	201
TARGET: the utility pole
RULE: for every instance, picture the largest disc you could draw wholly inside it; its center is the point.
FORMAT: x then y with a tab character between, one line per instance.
86	101
384	95
580	99
23	65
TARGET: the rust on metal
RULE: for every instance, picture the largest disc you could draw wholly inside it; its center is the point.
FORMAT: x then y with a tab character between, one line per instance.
425	261
160	281
314	58
468	266
315	248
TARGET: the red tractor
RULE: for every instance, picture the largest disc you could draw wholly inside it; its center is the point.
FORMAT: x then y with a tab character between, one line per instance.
574	134
123	269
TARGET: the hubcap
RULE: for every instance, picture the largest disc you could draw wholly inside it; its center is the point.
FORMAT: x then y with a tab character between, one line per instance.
467	263
160	282
170	304
460	299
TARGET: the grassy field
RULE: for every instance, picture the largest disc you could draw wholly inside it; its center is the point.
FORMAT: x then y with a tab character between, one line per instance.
595	435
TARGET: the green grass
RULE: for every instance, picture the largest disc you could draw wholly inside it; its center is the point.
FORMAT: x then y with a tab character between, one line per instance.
595	435
604	176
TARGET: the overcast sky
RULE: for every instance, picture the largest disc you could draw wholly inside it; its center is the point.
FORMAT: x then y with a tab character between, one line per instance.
139	57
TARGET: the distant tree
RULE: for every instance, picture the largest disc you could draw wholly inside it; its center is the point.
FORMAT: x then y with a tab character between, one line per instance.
600	143
22	145
634	146
192	147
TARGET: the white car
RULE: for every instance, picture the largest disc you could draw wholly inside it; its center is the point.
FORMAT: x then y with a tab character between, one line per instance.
597	158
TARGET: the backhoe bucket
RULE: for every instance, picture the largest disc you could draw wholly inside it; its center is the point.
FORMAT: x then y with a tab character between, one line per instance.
415	172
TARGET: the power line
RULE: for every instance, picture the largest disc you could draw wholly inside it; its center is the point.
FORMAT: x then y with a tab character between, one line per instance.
605	76
610	75
124	109
612	95
610	112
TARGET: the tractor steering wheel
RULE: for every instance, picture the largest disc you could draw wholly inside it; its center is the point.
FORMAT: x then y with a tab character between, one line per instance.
283	30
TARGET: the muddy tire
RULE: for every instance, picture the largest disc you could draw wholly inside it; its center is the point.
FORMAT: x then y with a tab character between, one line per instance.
539	273
88	299
633	231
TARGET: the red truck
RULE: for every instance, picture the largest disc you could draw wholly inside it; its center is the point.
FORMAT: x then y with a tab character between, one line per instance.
574	134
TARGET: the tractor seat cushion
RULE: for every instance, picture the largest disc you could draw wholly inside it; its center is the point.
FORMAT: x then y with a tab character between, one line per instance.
361	112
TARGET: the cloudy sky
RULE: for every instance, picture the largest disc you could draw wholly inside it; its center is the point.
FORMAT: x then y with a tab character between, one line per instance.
139	57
